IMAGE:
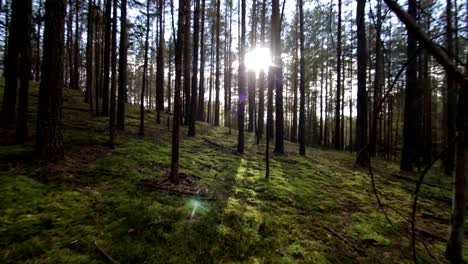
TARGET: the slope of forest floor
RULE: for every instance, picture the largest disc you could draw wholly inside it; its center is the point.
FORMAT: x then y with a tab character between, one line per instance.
90	208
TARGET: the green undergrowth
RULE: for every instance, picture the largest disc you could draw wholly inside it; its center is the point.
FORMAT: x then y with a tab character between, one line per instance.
313	209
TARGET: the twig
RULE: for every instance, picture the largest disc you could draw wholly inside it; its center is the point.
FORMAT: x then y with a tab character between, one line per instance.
360	251
104	252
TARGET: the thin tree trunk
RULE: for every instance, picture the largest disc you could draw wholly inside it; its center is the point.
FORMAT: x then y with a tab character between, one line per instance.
179	44
145	70
89	55
201	88
160	65
186	63
302	149
242	94
261	93
107	50
218	73
122	85
361	124
193	100
338	83
278	76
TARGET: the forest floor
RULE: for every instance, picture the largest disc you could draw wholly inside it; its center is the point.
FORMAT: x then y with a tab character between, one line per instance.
90	208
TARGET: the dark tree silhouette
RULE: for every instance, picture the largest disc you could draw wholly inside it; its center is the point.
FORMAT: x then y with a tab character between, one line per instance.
49	144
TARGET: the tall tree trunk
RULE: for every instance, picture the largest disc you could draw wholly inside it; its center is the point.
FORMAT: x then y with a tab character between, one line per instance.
179	44
169	92
201	88
145	70
107	50
261	84
302	149
186	63
122	85
38	42
293	136
89	55
76	48
49	144
193	100
160	65
251	73
361	124
411	125
378	82
278	76
218	73
25	69
451	97
241	83
8	113
98	60
113	77
338	144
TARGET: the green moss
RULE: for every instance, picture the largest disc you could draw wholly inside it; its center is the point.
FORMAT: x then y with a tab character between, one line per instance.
92	196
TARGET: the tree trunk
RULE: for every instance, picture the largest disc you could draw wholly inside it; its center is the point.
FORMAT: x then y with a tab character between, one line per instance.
76	49
24	53
49	145
451	98
179	44
302	149
186	63
112	133
278	76
122	85
201	94
338	145
89	55
160	65
378	82
38	42
412	125
107	50
193	101
361	124
294	64
218	73
261	84
145	70
242	94
8	113
98	60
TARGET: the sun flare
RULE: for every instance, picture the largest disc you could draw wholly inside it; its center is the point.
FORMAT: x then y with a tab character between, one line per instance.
258	60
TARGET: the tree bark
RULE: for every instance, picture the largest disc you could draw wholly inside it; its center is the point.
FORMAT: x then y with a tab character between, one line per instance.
361	124
49	144
145	70
278	76
25	69
338	144
218	73
107	50
241	83
160	65
302	144
179	44
193	100
122	82
201	88
412	122
112	116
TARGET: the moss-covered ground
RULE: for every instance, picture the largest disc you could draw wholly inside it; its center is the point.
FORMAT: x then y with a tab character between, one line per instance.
313	209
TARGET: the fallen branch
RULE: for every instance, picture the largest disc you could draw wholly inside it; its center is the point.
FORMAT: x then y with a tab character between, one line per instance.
104	252
344	239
